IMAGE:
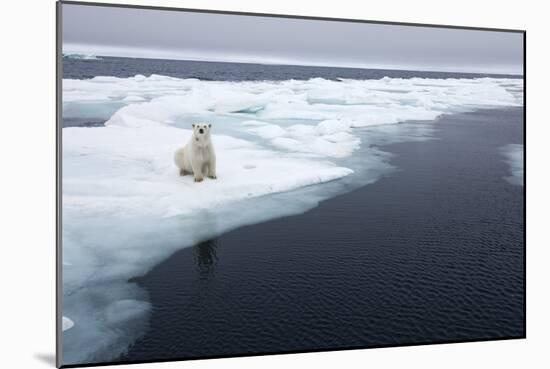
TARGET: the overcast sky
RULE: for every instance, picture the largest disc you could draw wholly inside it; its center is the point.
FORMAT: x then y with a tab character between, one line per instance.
223	37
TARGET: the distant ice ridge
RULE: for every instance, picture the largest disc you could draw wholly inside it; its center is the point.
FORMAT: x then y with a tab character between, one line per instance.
282	147
514	156
363	102
81	56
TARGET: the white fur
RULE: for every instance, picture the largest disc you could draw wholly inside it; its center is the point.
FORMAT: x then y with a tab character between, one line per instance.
198	156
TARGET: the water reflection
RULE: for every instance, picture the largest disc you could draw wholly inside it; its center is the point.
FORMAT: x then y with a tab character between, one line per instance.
206	257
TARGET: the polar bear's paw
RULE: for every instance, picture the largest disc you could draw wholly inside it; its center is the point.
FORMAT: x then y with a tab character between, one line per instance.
199	179
212	177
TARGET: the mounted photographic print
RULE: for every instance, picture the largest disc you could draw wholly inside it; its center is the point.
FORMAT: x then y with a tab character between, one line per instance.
235	184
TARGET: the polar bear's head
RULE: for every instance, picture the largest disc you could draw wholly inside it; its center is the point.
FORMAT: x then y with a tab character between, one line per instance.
201	131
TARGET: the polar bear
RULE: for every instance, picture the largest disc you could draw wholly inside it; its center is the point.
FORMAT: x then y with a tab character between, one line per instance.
197	157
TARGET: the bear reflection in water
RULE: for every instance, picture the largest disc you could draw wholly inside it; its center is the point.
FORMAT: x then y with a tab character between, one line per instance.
206	257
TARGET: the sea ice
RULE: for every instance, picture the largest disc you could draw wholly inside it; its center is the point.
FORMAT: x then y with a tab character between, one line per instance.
514	156
81	56
364	102
117	170
66	324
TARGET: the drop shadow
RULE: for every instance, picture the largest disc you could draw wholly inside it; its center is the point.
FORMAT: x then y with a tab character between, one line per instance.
46	358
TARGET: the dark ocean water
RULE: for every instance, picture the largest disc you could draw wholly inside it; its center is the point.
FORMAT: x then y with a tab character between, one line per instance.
432	253
216	71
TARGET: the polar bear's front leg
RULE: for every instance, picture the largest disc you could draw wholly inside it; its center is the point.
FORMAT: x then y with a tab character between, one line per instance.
212	168
197	170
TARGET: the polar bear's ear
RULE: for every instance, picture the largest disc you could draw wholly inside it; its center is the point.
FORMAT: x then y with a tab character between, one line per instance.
193	125
209	125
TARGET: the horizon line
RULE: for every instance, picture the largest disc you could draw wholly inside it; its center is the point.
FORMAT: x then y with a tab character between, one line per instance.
273	61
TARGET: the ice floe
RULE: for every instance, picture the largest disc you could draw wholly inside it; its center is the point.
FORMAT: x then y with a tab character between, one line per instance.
81	56
66	324
364	102
117	170
514	156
